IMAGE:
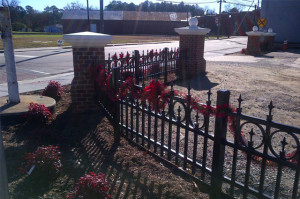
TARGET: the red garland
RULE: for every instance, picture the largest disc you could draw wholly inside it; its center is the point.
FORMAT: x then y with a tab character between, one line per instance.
104	81
128	86
157	95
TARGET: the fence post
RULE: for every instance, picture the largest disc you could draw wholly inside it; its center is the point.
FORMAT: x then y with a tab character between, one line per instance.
166	52
219	147
137	66
116	106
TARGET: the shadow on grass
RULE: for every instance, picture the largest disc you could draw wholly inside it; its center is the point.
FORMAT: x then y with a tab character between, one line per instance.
199	82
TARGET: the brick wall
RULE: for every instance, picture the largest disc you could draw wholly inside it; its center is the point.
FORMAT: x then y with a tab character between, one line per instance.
194	46
82	86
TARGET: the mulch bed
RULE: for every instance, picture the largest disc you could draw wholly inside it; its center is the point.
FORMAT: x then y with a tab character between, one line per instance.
87	145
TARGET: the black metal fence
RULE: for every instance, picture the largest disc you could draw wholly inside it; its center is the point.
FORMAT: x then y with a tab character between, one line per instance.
258	159
146	66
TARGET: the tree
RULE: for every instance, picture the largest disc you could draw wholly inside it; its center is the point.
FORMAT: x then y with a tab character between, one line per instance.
76	5
52	15
233	8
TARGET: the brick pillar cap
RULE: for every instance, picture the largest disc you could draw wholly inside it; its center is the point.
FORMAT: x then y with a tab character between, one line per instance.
190	30
254	33
87	39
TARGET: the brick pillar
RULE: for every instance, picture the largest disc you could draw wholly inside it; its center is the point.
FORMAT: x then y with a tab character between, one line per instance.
194	46
88	50
253	44
192	39
270	41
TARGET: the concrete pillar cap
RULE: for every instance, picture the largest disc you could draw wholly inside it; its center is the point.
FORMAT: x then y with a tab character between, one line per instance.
87	39
269	34
254	33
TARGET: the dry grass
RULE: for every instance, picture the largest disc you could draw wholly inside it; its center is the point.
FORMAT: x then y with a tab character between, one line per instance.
43	40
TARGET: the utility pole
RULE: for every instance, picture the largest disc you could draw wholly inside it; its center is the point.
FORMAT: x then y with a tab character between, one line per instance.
219	19
258	5
12	83
88	15
101	17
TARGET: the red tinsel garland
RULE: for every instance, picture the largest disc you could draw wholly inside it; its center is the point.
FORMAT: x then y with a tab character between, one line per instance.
157	95
128	86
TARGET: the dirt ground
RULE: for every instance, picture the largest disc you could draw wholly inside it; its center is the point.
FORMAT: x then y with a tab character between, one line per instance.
274	77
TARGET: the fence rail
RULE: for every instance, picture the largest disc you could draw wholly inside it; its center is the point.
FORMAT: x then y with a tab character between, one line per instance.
233	154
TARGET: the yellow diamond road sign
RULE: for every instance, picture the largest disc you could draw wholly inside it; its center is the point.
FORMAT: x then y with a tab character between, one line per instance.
262	22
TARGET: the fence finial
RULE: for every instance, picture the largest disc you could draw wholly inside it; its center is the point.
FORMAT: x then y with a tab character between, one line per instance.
209	94
270	106
240	100
283	144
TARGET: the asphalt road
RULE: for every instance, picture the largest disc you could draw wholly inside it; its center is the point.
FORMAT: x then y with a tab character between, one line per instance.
43	64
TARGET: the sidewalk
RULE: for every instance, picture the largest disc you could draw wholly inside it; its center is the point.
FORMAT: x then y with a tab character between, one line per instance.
39	83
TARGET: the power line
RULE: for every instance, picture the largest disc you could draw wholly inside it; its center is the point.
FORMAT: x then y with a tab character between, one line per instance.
239	4
245	15
188	2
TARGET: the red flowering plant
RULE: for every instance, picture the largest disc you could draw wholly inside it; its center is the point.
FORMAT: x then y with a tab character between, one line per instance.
38	113
91	186
54	90
157	95
46	159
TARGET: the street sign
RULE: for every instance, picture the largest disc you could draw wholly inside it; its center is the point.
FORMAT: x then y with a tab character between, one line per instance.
262	22
60	42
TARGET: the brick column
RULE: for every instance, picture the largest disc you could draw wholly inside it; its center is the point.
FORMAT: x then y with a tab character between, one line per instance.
253	44
88	50
269	38
192	39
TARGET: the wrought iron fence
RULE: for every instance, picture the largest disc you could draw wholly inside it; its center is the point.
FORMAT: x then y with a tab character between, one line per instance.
227	165
148	65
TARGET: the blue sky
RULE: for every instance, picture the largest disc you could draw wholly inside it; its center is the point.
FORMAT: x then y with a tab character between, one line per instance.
41	4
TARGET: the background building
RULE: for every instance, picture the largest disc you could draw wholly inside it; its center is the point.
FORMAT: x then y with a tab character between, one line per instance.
124	22
284	17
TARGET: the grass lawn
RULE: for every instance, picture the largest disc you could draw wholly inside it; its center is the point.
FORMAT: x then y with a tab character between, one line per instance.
36	40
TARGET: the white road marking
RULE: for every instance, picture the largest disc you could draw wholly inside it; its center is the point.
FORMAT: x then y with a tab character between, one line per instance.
36	71
26	56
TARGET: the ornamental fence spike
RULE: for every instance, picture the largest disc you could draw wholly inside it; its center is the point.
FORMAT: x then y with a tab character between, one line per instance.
283	143
209	94
240	101
270	106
